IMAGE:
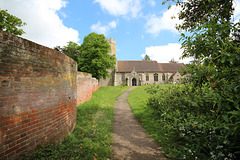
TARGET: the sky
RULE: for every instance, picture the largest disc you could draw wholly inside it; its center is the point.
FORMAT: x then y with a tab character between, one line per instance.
139	26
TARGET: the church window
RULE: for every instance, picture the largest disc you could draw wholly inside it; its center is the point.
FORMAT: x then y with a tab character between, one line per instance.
155	77
163	77
147	77
123	77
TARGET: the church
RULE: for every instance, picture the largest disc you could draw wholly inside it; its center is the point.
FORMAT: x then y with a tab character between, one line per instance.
137	73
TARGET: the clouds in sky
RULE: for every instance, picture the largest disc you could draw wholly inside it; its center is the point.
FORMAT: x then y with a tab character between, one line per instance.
152	3
43	23
121	7
236	5
163	54
156	24
103	29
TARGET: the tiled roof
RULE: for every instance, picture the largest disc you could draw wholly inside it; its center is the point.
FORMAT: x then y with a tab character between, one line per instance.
139	66
170	67
148	66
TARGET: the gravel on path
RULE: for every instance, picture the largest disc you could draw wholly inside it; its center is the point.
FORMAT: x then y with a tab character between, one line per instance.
130	140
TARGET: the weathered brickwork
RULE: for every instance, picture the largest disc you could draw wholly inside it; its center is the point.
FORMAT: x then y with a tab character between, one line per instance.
85	86
38	95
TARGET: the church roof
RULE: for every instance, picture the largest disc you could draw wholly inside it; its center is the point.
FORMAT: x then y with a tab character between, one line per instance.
139	66
148	66
170	67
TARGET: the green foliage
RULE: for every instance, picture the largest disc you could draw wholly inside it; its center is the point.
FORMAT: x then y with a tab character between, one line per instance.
95	57
124	84
213	43
185	120
146	58
197	122
72	50
92	56
10	23
91	138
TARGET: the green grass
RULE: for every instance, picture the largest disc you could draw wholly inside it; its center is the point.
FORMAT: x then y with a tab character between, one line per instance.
138	99
91	138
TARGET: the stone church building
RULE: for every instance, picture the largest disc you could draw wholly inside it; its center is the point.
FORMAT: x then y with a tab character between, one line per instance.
136	73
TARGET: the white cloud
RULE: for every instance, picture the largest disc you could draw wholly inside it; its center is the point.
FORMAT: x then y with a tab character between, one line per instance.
152	3
43	23
103	29
236	5
163	54
121	7
113	24
156	24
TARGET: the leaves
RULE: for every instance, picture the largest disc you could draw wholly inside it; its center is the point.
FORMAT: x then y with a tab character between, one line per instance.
95	57
10	23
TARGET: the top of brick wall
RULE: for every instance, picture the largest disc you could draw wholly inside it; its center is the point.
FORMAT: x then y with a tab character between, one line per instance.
22	43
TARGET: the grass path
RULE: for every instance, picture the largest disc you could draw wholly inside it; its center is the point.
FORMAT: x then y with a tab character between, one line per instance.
91	138
130	140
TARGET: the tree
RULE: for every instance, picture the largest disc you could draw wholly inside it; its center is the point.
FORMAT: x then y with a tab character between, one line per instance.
10	23
216	54
146	58
95	57
72	50
173	61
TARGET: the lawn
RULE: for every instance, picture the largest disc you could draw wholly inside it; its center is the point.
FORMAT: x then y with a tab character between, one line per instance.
138	99
91	138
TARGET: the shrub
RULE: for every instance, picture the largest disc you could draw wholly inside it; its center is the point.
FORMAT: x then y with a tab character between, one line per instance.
197	122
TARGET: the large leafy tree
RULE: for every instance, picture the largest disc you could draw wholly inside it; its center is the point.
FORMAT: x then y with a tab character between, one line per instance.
10	23
72	50
212	38
95	57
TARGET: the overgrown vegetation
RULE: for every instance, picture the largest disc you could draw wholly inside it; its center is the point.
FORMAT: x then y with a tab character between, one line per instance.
201	118
183	120
91	138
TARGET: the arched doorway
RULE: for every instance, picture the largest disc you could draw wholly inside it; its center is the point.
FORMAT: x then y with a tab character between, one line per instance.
134	82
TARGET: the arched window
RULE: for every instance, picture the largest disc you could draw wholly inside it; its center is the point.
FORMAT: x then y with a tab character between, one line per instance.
155	77
123	77
147	77
163	77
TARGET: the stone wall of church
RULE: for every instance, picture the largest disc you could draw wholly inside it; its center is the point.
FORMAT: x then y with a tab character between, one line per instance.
127	77
109	81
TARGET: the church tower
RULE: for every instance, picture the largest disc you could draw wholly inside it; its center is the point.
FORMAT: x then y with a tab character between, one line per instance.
110	81
113	46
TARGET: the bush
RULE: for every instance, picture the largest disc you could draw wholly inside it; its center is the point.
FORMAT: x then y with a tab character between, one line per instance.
197	122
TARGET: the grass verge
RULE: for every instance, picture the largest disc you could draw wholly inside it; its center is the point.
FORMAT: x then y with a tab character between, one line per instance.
138	99
91	138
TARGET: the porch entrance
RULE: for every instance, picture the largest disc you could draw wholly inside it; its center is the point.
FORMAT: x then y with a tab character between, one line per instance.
134	82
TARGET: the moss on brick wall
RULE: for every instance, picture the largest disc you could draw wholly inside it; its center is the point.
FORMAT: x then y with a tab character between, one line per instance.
38	92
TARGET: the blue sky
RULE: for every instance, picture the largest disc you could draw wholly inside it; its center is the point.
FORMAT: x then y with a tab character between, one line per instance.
138	26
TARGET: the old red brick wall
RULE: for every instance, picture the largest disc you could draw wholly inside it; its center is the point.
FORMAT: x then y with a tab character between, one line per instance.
85	86
37	95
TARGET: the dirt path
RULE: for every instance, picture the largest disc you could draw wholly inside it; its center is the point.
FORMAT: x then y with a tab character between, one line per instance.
130	140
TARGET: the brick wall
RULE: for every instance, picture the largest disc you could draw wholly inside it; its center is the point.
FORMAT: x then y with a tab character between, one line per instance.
37	95
85	86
